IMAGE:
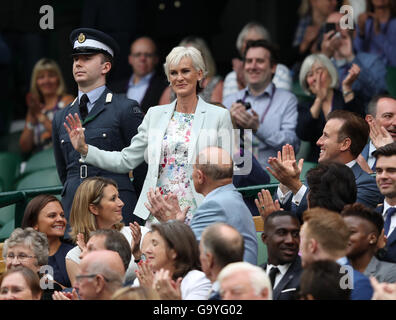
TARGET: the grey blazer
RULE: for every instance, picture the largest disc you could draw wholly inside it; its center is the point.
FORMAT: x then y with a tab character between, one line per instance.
383	271
211	126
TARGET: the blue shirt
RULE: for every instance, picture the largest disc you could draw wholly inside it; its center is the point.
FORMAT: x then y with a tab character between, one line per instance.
278	126
137	91
93	96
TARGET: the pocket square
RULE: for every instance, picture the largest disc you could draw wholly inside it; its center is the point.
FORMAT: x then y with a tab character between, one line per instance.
289	290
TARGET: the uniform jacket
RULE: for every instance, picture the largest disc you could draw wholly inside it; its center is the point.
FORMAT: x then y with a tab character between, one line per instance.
110	126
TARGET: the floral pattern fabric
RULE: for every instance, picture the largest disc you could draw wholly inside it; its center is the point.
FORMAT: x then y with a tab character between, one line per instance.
175	174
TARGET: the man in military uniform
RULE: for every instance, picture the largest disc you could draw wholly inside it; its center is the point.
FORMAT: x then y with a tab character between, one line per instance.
110	121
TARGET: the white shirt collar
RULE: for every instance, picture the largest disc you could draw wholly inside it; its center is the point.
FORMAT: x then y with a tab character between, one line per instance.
386	207
282	268
350	164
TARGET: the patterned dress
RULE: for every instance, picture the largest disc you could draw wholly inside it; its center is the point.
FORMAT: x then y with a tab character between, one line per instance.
175	174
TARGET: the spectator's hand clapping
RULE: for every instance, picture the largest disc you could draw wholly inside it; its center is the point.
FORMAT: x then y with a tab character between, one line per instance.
167	288
76	133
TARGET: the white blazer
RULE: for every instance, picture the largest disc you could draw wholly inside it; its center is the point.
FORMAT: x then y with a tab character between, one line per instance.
211	127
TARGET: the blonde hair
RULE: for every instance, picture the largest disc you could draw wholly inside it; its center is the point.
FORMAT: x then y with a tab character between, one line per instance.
82	220
202	46
178	53
46	64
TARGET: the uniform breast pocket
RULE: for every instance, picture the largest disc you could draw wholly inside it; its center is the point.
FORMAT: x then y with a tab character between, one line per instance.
67	147
102	138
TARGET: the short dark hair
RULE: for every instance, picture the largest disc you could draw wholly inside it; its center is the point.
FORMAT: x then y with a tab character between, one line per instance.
179	237
372	105
322	279
354	127
115	241
225	249
361	211
388	150
30	217
279	213
332	185
274	52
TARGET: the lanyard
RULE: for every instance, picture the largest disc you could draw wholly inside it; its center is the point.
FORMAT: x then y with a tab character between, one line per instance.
269	104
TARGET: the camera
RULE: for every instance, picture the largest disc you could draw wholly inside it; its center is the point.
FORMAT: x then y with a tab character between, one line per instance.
246	104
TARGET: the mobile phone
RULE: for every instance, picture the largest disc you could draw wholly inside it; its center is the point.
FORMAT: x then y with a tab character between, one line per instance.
330	26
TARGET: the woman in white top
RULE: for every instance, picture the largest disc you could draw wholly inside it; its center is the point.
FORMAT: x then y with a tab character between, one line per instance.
172	263
96	205
169	137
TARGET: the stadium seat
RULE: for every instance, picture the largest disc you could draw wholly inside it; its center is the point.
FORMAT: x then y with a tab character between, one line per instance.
40	160
39	179
7	221
9	169
306	166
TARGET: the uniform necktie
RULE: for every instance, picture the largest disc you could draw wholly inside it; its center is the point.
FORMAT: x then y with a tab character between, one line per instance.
83	106
389	213
272	275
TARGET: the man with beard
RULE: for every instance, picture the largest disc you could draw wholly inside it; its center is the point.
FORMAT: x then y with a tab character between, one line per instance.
281	235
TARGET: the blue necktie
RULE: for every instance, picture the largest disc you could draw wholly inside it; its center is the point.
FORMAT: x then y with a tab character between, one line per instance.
389	213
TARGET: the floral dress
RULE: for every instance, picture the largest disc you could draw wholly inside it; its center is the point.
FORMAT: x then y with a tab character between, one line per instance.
175	174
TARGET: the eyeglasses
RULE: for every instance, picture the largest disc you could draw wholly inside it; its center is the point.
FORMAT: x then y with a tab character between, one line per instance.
145	54
20	257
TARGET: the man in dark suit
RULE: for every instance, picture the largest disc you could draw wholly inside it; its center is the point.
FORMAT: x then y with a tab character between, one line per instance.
110	121
281	235
381	112
386	181
146	84
220	245
344	137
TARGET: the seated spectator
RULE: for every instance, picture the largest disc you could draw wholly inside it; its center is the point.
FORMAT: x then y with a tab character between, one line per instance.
113	240
319	77
96	205
244	281
20	283
29	248
343	138
313	15
220	245
212	177
235	80
382	120
146	84
47	95
99	277
270	112
44	213
375	31
366	226
211	85
321	281
337	45
324	236
172	263
281	236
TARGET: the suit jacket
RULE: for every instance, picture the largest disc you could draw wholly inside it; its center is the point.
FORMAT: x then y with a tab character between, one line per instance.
367	192
153	93
110	126
389	252
288	286
211	126
381	270
225	204
365	155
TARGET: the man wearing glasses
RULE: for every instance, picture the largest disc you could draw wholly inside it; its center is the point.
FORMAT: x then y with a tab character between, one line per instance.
101	274
146	84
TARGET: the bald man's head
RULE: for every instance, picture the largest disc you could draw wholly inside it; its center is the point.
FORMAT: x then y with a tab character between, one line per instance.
215	163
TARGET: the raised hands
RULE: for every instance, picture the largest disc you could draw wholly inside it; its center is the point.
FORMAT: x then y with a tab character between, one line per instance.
167	288
383	291
243	118
136	239
265	204
353	74
285	168
76	133
379	135
59	295
145	274
166	207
